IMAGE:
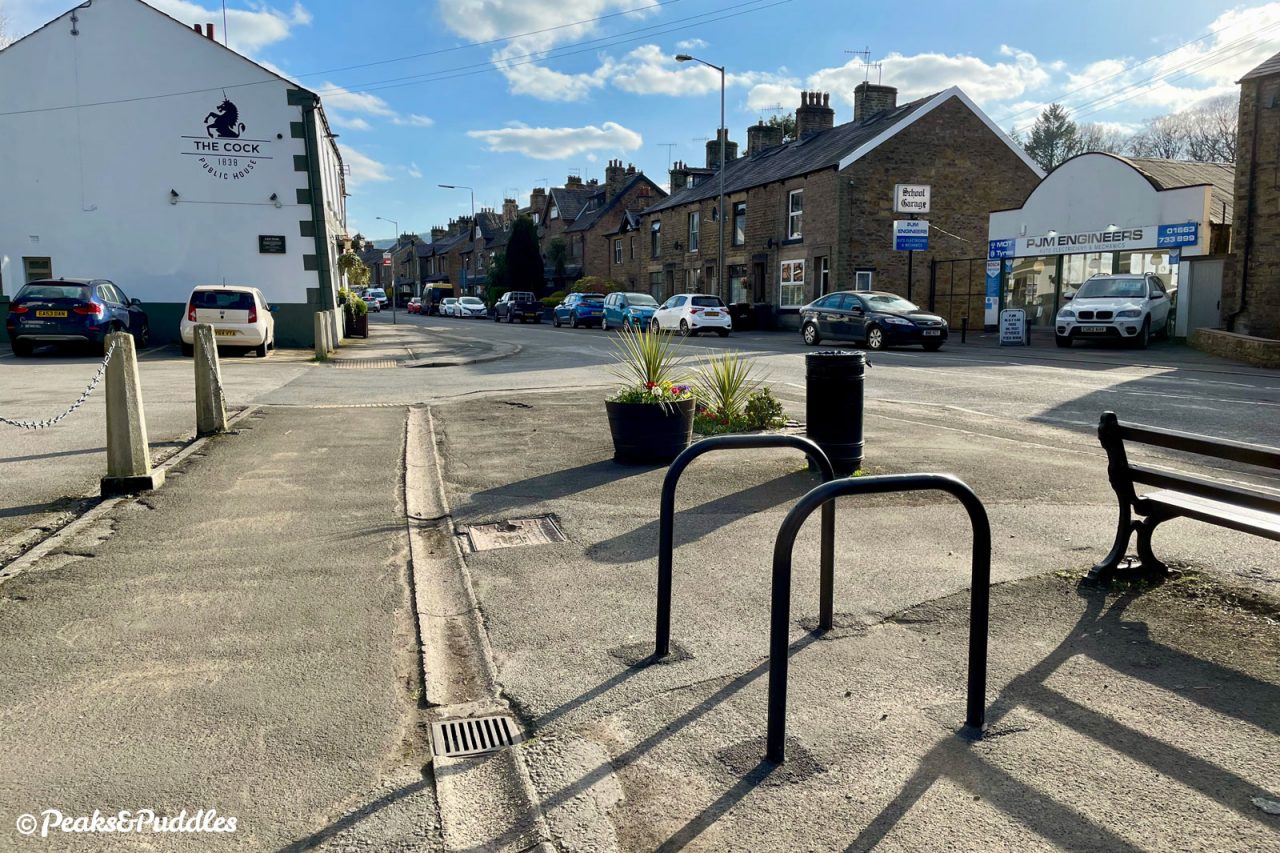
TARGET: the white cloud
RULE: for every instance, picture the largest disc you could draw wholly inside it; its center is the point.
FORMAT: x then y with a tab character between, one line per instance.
364	169
337	98
349	123
414	171
413	120
649	70
691	44
547	84
248	30
555	143
762	96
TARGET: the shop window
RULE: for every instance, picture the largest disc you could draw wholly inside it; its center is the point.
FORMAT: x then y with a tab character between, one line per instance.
740	223
795	214
791	285
1032	286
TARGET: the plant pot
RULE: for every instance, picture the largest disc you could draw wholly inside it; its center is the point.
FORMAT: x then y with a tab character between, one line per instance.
646	433
357	325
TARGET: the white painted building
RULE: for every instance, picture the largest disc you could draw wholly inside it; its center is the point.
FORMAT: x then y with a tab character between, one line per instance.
138	149
1101	213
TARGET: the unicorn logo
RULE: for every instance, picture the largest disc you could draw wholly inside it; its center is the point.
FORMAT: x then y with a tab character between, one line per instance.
224	122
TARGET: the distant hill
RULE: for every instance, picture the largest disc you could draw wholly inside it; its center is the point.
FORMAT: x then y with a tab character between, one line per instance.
388	243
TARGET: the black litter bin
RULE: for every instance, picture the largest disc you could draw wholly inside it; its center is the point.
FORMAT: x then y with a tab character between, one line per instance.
743	315
833	405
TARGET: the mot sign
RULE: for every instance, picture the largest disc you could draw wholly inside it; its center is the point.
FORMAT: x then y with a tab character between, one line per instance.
911	198
911	235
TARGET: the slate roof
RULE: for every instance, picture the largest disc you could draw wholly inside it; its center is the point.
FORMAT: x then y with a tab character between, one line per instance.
571	200
1266	69
592	215
822	150
1171	174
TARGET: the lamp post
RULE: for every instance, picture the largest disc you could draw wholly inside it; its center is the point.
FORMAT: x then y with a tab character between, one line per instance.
472	235
721	285
393	267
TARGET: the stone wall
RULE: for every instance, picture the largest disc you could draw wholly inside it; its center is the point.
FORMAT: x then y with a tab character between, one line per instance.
1256	229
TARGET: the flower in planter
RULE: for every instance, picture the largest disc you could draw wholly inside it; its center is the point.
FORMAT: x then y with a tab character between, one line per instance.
650	368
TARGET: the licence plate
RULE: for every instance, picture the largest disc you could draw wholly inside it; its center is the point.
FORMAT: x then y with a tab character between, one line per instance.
51	313
713	313
931	333
1093	330
225	333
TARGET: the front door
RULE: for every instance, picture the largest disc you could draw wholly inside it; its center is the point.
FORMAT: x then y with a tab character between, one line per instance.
757	282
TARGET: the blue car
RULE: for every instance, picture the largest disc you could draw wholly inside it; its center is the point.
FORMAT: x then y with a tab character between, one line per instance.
73	311
628	309
579	309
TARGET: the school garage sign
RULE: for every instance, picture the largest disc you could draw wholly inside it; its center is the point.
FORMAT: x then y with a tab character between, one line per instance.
222	151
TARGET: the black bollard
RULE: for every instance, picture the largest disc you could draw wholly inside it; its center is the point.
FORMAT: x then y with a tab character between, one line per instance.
833	405
964	328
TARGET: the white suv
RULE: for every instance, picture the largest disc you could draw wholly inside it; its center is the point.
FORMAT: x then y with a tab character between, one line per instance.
690	313
1116	307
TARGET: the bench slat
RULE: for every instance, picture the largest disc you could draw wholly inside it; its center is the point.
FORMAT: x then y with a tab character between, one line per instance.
1219	448
1260	523
1200	487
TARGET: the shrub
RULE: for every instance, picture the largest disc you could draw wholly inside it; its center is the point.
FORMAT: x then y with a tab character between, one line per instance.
595	284
763	411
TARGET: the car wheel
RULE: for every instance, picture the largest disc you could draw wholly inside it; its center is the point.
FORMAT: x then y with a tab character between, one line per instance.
654	326
511	318
1143	339
188	350
724	333
143	337
573	320
604	324
684	328
261	350
496	318
555	319
22	349
810	333
875	338
1063	341
933	347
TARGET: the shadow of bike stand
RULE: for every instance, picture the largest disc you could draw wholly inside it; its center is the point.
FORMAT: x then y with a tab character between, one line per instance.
666	522
780	609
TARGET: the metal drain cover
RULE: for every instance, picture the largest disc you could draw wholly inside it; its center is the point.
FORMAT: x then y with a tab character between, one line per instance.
542	530
473	736
364	363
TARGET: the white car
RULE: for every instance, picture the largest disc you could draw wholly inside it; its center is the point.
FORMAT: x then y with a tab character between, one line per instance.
240	317
470	306
690	313
376	294
447	305
1131	307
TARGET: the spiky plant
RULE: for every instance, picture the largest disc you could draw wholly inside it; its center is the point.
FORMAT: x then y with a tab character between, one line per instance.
647	360
725	383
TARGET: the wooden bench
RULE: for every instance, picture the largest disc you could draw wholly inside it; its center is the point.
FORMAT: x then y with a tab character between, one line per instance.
1252	510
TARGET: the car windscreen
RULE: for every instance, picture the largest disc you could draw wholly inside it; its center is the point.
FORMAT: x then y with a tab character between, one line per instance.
642	300
225	300
889	302
1113	288
707	302
76	292
470	300
379	293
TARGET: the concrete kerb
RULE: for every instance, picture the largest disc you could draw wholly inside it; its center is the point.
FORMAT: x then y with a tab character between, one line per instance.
103	505
486	802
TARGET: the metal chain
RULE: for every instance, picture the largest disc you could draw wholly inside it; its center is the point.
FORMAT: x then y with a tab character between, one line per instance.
102	369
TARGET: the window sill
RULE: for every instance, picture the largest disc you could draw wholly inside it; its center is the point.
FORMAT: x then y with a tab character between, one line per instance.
792	241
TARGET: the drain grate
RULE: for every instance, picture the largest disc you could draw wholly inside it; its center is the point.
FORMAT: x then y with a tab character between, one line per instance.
542	530
364	363
473	736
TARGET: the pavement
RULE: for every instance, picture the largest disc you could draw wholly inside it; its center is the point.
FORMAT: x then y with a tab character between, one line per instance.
272	632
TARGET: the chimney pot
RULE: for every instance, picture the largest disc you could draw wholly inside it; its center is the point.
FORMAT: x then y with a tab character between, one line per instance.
208	31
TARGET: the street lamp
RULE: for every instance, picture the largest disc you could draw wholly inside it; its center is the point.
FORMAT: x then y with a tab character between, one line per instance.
473	224
393	269
723	135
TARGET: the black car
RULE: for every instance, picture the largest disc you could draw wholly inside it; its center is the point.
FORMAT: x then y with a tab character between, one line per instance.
517	305
69	310
873	317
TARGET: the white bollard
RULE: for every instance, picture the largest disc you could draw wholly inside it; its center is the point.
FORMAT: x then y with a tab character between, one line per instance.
128	454
211	405
322	351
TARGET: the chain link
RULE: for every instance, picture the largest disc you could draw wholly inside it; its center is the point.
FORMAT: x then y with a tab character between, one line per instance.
97	377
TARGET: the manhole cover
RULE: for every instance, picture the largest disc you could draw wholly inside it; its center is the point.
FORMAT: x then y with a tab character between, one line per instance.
473	736
542	530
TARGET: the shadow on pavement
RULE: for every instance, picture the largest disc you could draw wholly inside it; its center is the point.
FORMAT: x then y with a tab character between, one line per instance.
352	818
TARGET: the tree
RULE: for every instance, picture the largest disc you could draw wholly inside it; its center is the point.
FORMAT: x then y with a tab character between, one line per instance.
1054	138
558	256
350	265
499	278
1099	137
787	122
1163	136
6	36
1212	129
523	259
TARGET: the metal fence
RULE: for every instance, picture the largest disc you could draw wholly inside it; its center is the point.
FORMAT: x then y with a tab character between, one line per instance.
958	289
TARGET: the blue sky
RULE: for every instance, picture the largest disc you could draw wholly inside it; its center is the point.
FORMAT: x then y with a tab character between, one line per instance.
505	114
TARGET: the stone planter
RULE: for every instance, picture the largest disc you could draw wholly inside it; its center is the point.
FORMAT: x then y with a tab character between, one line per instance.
646	433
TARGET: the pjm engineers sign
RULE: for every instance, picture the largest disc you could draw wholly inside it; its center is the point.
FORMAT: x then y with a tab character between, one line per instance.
1104	240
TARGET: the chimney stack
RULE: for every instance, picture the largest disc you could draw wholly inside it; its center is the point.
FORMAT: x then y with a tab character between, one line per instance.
761	136
713	150
509	210
615	177
538	200
679	176
573	181
871	99
814	114
438	233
